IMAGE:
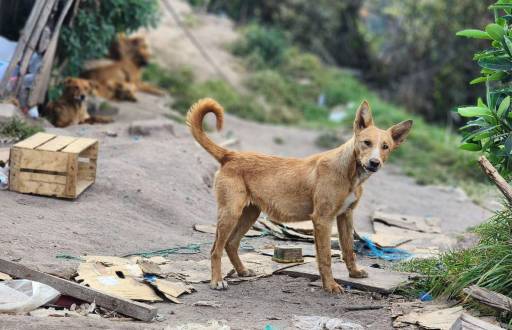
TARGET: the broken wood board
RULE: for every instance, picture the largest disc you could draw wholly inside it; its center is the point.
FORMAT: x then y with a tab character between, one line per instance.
430	316
116	280
192	271
118	304
421	224
490	298
212	229
307	251
284	232
468	322
172	290
149	267
378	280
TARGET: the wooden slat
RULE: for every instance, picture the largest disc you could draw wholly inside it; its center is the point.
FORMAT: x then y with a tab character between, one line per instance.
42	177
22	43
126	307
43	160
14	168
468	322
72	175
41	188
40	86
34	141
82	185
79	145
86	170
490	298
57	144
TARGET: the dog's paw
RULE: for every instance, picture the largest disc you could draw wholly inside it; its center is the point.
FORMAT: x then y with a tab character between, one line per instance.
333	288
358	273
219	285
247	273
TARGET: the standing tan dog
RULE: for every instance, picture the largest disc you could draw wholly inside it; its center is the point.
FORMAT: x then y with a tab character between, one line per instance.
321	187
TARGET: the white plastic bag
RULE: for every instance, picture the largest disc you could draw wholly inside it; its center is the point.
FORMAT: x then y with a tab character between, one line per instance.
324	323
4	177
23	296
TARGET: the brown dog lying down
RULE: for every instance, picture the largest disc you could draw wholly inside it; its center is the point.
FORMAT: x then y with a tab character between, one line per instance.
322	187
71	107
124	74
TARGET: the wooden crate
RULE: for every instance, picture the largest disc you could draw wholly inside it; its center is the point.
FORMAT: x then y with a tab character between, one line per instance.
51	165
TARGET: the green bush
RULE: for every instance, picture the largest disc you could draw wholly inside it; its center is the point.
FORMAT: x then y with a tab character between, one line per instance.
95	27
490	130
263	46
19	129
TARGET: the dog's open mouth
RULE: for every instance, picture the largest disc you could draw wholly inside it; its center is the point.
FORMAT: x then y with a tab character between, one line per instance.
370	169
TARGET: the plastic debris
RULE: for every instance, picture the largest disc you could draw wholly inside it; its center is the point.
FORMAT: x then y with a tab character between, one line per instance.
390	254
33	113
23	296
4	177
324	323
425	296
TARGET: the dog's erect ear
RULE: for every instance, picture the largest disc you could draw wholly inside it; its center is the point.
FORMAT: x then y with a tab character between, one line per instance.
364	118
400	131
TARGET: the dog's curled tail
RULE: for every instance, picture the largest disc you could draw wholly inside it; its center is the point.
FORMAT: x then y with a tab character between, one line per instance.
195	116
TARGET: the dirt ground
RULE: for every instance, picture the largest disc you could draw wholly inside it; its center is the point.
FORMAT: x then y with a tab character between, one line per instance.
150	190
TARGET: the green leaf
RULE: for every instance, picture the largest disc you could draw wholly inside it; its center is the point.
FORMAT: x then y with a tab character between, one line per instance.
472	33
481	103
473	111
496	63
470	147
505	104
495	31
478	80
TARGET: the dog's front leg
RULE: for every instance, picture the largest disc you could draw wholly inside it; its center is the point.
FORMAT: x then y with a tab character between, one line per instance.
322	230
346	235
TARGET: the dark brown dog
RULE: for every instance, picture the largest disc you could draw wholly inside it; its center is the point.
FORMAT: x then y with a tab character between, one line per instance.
321	188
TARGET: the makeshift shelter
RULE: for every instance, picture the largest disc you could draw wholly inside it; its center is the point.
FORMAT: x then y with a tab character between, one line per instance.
27	74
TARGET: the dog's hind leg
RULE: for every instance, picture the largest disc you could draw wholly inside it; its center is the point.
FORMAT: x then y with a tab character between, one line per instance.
231	199
249	216
346	235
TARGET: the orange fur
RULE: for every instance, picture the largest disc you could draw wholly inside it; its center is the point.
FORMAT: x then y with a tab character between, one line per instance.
130	55
320	188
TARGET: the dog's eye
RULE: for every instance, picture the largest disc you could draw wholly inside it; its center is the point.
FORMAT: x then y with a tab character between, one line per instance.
367	143
385	146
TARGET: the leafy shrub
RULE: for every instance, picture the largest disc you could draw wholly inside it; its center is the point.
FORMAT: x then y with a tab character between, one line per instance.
490	131
96	25
263	46
19	129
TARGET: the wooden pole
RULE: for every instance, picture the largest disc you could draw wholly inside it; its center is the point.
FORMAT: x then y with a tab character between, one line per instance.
498	180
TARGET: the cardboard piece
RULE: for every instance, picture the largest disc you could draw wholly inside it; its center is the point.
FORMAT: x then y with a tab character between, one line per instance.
116	280
468	322
211	229
199	271
172	290
378	280
5	277
421	224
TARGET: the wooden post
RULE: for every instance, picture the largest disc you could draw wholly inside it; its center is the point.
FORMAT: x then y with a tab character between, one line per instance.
490	298
498	180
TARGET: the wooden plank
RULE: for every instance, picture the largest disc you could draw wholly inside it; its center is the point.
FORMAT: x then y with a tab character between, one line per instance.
22	42
40	86
468	322
43	160
86	171
133	309
57	144
490	298
14	168
91	152
82	185
378	280
35	140
42	177
72	175
40	188
79	145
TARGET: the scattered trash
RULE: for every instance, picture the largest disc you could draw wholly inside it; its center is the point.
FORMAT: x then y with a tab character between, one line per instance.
210	325
52	312
426	315
172	290
390	254
425	296
187	249
324	323
207	303
33	113
4	177
22	296
5	277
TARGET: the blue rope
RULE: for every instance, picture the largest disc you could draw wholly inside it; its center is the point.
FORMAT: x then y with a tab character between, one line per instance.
390	254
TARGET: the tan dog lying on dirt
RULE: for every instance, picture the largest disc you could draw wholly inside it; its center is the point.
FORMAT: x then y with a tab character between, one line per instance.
71	107
124	74
321	187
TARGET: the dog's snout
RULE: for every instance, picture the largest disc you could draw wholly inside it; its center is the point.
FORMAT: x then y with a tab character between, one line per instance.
82	97
374	162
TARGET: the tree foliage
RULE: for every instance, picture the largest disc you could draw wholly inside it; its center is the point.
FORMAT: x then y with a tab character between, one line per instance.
96	25
490	129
